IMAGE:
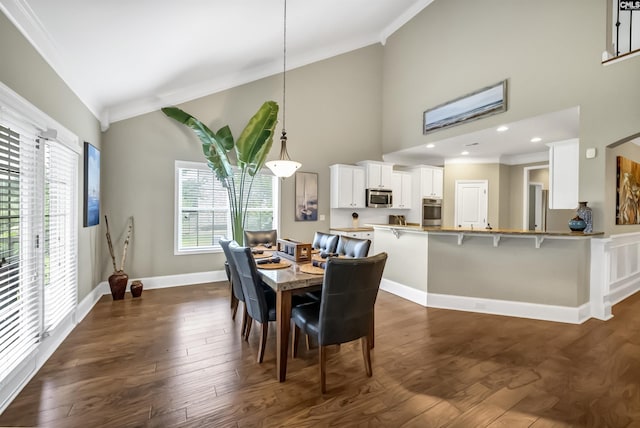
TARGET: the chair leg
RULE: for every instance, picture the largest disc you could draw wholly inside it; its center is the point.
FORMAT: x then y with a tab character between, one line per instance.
245	320
373	330
263	342
294	341
234	307
248	330
232	298
323	368
307	340
366	348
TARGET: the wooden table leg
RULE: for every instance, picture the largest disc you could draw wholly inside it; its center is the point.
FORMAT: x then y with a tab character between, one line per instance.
283	320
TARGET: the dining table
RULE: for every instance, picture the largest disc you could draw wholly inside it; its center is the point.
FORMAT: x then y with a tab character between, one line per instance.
286	282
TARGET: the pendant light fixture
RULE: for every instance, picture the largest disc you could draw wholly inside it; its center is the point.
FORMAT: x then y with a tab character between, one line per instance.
284	167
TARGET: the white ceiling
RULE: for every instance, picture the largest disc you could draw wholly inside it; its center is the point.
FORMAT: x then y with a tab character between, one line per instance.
125	58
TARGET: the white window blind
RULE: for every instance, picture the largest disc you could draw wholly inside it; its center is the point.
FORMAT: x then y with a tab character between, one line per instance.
202	207
60	284
38	228
20	224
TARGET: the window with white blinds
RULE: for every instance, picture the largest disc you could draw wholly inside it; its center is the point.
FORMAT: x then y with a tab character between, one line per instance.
202	207
38	244
60	284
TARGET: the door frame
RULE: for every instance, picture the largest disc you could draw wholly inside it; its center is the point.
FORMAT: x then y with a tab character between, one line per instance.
525	193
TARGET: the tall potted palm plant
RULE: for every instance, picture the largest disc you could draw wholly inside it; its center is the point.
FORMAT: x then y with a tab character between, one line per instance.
251	151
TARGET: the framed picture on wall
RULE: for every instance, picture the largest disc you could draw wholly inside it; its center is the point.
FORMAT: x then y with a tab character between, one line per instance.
627	184
306	196
478	104
91	185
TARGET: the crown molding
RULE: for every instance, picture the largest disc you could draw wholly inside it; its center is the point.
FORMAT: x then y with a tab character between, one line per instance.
415	9
26	21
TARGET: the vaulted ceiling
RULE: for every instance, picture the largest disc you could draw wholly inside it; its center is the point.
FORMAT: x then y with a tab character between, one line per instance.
125	58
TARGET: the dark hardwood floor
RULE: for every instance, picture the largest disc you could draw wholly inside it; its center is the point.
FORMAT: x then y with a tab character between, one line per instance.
175	358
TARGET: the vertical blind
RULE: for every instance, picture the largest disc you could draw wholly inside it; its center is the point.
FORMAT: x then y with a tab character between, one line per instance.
38	244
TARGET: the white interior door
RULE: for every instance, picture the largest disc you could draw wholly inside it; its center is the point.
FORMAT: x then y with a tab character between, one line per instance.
471	203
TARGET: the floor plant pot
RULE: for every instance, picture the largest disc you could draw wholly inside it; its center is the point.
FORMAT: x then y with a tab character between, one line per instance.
118	283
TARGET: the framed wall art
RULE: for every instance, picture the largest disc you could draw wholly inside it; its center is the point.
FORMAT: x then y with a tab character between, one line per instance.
627	196
306	196
91	185
482	103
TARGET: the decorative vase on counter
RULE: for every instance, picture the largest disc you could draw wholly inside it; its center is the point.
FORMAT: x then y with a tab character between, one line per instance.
585	213
118	284
577	224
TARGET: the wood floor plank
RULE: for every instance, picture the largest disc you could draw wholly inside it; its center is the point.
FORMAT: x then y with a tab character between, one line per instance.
175	358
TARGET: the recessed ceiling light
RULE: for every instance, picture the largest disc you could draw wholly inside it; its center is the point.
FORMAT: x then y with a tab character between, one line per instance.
502	128
536	139
464	153
430	146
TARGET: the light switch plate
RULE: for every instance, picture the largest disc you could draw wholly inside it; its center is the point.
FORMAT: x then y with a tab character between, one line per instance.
591	153
322	217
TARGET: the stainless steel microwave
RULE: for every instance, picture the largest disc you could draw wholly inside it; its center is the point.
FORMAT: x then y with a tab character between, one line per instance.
378	198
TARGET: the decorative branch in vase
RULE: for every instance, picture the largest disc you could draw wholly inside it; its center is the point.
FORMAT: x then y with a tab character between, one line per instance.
118	279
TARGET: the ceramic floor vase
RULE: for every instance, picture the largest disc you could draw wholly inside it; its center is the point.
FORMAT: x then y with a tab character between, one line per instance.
118	283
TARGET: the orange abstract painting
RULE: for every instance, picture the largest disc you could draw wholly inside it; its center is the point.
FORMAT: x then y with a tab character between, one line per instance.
628	191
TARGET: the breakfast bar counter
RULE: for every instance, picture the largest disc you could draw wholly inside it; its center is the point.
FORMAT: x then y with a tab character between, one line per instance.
532	274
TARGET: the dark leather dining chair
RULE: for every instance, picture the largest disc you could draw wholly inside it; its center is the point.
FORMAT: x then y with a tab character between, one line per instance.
325	242
260	301
236	287
345	312
353	247
253	238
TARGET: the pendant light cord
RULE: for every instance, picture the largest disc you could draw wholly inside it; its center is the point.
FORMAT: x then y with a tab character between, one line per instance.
284	72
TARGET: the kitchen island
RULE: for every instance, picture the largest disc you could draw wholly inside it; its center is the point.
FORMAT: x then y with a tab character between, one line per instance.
542	275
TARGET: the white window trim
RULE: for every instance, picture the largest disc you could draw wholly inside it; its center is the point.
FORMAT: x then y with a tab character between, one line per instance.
176	207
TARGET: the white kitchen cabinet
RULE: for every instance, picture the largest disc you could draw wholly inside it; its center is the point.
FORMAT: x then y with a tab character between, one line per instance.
564	158
377	174
428	182
401	186
347	186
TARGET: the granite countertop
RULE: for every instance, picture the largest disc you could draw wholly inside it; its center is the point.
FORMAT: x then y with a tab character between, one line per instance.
485	231
353	229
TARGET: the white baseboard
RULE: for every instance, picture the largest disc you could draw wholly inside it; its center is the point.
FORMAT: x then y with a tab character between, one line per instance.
154	282
406	292
11	386
566	314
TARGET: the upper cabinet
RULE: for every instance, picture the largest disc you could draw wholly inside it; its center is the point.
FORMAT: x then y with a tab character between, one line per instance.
564	158
428	182
378	174
401	190
347	186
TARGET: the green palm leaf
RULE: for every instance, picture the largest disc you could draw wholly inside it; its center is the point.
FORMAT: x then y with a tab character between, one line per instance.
257	138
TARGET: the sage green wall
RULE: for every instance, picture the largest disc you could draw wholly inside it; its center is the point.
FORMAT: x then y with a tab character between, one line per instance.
555	274
551	53
333	116
28	74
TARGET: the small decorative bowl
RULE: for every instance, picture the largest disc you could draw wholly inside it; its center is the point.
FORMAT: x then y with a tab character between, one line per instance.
577	224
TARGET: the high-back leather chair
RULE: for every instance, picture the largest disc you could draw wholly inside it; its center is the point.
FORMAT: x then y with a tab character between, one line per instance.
325	242
345	312
260	301
236	287
353	247
254	238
